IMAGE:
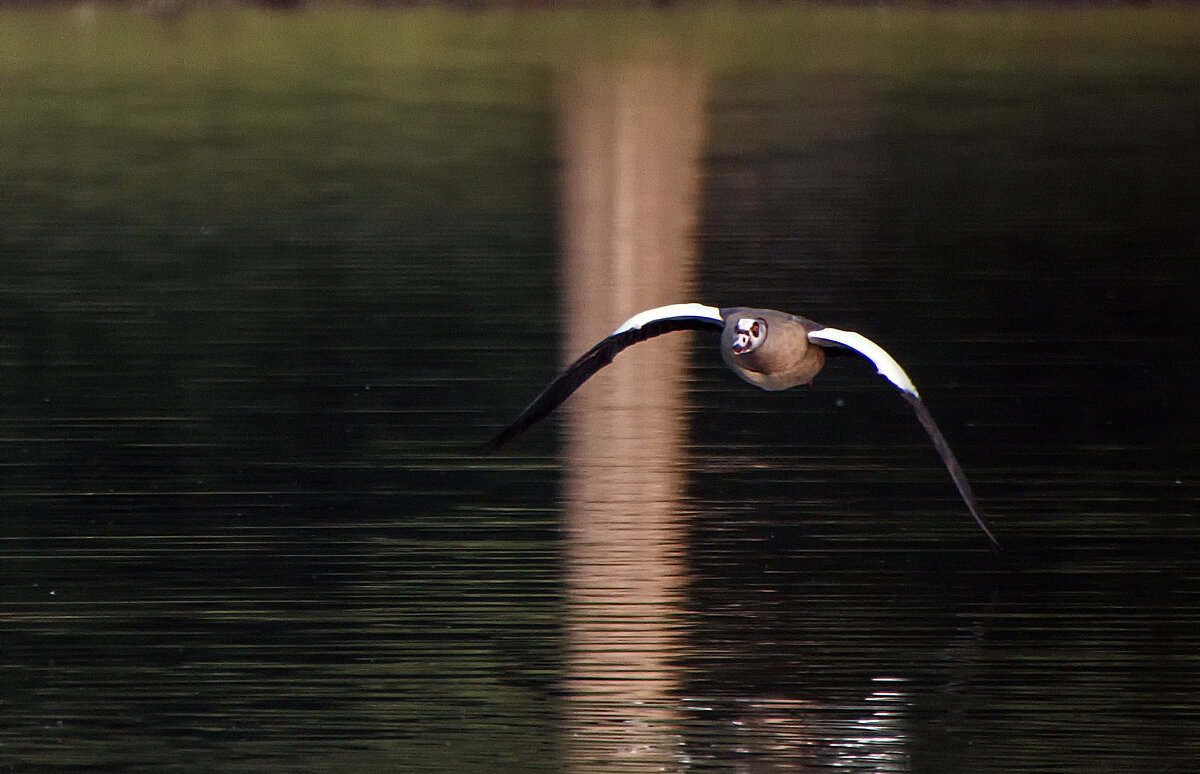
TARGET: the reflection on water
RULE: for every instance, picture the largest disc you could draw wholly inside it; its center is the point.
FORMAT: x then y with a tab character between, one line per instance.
781	734
245	525
631	143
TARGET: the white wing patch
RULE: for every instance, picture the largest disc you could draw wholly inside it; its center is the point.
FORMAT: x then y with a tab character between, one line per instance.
672	311
887	367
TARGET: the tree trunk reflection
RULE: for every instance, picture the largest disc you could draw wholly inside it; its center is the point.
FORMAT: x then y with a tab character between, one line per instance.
631	136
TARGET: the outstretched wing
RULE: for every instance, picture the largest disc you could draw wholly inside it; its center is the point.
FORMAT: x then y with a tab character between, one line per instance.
891	370
646	325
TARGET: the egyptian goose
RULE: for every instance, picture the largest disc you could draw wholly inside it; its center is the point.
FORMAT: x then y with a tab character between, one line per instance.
772	350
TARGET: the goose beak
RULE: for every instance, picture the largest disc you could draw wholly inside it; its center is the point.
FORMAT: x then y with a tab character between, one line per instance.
741	343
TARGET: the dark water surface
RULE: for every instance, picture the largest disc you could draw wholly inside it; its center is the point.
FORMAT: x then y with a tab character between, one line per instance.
254	322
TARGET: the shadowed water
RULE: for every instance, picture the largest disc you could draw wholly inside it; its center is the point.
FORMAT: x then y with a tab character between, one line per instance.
245	369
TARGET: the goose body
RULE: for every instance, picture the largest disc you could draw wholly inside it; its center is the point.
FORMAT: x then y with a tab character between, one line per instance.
769	349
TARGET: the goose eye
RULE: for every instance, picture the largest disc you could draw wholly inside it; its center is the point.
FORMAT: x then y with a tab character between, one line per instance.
756	329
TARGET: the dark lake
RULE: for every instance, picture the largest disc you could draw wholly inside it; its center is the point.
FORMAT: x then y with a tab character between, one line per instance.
267	283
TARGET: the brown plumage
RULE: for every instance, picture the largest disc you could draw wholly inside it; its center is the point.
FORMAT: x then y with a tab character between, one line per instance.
780	357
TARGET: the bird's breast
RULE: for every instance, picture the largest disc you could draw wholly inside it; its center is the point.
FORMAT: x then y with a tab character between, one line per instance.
785	360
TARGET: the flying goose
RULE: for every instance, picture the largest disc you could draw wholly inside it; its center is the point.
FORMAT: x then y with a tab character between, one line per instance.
772	350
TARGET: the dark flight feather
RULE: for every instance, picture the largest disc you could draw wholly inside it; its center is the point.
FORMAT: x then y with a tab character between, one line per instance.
586	366
951	462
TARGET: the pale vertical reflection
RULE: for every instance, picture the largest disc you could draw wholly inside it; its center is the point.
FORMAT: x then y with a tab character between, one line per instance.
630	139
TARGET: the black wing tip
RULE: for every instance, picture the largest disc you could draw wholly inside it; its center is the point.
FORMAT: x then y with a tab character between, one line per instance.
996	546
500	439
953	467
